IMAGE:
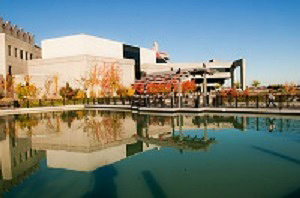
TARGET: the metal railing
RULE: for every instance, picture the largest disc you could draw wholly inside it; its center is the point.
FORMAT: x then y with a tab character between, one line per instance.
187	100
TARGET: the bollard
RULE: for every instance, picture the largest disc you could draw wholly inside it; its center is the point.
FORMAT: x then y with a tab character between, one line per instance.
221	102
257	105
115	100
40	102
207	100
28	105
280	101
236	101
122	99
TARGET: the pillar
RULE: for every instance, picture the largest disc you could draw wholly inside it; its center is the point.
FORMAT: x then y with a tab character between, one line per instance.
243	73
232	76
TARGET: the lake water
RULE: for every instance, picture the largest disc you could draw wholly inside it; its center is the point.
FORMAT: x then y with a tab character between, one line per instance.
119	154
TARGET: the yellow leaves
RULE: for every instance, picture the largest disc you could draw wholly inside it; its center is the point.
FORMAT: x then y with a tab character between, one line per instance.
26	91
80	94
130	92
103	80
290	88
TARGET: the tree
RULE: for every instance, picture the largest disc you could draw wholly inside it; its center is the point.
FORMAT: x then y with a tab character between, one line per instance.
290	88
104	80
110	79
26	89
67	92
218	85
55	82
47	86
255	83
80	94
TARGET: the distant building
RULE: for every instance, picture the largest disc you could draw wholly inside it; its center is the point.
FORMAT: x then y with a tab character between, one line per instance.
222	71
72	57
16	48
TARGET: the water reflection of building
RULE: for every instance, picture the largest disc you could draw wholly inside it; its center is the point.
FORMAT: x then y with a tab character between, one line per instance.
86	140
17	159
81	161
164	123
84	143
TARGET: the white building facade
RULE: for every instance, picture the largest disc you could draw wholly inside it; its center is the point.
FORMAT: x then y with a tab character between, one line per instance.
72	58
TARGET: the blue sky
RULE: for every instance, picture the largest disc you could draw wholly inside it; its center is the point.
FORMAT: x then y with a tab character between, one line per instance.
265	32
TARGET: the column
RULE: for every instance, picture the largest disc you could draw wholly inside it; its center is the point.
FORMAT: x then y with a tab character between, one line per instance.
243	73
232	76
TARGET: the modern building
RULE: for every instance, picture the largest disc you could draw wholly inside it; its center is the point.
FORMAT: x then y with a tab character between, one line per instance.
16	48
220	71
71	58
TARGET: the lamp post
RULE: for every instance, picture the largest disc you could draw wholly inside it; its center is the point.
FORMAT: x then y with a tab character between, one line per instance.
179	93
204	86
181	78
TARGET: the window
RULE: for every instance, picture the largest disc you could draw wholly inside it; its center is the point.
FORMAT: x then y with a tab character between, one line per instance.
31	56
9	50
9	70
131	52
21	54
16	52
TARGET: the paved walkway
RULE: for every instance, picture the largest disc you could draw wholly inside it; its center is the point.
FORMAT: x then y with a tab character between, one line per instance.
40	109
277	111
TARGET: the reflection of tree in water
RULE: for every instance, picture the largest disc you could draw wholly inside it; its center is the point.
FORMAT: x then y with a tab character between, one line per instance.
200	120
107	128
69	117
159	120
27	122
49	124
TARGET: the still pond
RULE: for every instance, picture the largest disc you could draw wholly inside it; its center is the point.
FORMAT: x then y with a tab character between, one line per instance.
95	153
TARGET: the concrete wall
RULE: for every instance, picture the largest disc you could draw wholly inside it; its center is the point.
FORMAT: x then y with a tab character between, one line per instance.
161	67
19	66
147	56
71	69
2	53
81	45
